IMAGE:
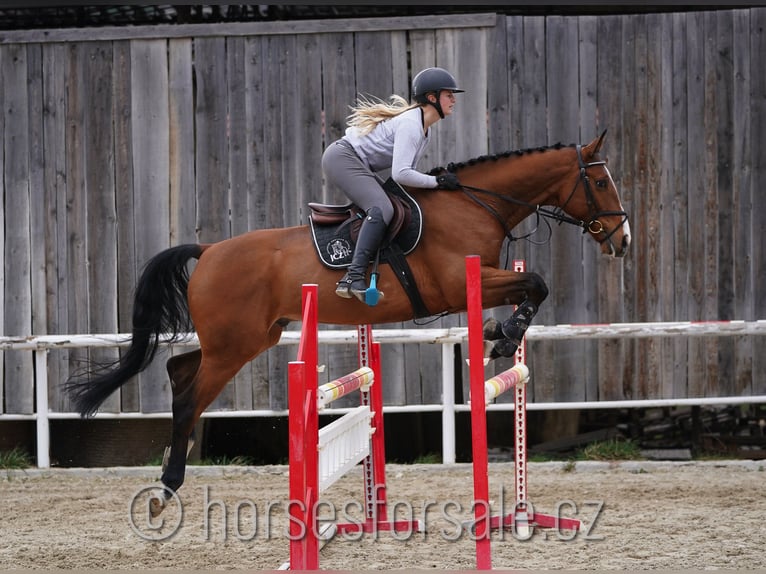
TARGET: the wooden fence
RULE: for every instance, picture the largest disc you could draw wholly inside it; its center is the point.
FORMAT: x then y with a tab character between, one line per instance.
119	142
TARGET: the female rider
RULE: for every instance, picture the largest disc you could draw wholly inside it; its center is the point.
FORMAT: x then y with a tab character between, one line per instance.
386	135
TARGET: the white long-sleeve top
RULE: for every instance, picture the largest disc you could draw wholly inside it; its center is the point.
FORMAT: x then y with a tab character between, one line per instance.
397	143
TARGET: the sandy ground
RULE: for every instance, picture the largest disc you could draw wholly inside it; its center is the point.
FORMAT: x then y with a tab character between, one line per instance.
637	516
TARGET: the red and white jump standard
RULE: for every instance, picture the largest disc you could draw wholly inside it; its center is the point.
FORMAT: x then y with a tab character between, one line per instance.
524	518
319	457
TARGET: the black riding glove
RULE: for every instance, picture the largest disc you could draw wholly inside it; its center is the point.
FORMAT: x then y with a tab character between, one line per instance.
447	181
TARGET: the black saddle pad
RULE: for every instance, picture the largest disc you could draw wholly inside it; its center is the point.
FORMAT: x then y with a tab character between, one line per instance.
335	244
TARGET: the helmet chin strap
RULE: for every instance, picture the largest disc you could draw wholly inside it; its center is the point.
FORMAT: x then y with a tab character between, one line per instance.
438	105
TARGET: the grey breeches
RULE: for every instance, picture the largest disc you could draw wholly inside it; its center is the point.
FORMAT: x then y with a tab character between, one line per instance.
344	169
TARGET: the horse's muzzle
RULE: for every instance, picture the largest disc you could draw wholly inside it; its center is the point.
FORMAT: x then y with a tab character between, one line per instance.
618	245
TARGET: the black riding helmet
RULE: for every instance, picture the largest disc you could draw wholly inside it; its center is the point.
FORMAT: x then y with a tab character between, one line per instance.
433	80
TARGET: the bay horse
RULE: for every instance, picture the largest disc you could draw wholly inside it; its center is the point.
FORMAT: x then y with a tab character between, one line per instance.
246	289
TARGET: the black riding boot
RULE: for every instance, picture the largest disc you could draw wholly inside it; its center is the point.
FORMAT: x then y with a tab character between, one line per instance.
370	236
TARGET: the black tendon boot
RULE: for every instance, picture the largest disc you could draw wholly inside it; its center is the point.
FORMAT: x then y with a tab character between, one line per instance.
370	236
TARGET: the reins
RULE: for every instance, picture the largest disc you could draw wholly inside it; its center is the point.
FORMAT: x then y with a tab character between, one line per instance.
546	213
558	214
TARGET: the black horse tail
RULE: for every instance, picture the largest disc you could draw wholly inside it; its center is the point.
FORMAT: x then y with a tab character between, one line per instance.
160	307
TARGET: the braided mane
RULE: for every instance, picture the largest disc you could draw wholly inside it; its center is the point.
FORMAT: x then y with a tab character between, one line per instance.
494	157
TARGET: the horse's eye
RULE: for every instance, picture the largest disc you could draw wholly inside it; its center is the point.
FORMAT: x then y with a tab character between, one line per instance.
602	183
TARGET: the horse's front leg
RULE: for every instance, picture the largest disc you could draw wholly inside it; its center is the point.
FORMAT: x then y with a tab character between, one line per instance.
527	291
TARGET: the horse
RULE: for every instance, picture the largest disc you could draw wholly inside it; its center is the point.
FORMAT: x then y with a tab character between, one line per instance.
245	290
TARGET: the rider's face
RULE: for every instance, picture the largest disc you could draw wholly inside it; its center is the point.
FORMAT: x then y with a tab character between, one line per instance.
447	101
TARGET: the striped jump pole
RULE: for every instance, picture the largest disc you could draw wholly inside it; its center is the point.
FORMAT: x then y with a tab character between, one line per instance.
523	519
361	379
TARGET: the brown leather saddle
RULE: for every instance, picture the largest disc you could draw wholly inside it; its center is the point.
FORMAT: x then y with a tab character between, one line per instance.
335	228
350	214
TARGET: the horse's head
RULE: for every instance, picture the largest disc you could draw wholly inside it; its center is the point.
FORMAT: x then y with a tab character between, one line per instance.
573	180
594	200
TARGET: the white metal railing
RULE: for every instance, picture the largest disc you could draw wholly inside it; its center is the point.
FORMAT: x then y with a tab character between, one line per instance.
446	337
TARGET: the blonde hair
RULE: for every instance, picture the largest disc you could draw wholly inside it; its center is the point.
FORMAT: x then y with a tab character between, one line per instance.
370	111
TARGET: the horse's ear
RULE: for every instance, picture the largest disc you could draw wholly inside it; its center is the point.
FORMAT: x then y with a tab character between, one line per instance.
599	142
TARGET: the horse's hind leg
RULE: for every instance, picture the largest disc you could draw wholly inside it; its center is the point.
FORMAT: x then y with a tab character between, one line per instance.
181	369
197	379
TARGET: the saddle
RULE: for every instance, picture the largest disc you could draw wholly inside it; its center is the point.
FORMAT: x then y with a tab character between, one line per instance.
350	214
335	228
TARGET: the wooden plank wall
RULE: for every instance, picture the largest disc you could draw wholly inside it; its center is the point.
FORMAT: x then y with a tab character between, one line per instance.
116	147
681	95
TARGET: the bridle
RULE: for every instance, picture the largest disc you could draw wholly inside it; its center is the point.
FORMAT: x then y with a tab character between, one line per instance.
593	225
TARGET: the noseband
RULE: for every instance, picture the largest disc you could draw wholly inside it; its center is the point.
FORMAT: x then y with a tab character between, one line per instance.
593	225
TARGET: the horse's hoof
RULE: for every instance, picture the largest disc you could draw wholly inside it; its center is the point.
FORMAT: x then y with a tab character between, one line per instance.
503	348
157	503
489	351
492	330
